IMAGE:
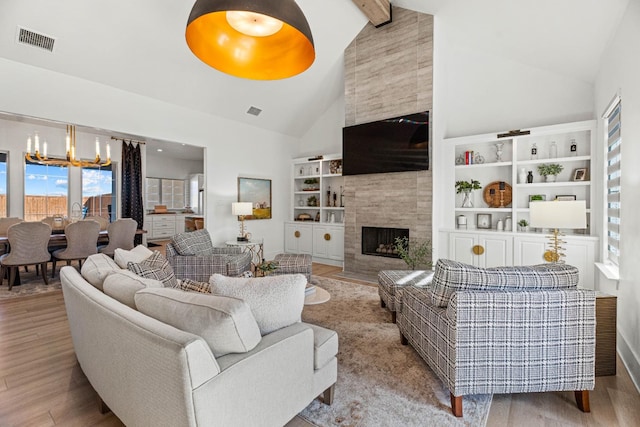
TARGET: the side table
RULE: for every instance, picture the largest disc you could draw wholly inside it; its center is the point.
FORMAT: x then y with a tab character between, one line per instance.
606	319
254	247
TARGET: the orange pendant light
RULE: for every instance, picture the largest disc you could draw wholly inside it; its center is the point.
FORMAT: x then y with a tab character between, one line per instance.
252	39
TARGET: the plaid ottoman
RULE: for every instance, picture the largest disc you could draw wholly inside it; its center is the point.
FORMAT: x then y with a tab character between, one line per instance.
292	264
391	282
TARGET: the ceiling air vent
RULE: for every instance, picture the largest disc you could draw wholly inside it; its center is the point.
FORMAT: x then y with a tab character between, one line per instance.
32	38
254	111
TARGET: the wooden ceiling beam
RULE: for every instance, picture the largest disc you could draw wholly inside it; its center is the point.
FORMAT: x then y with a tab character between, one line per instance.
378	11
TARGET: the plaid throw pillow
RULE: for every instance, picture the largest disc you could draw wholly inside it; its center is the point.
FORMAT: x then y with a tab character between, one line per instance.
193	286
155	267
193	243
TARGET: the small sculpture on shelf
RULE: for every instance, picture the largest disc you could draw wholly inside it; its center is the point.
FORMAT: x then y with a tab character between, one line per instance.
341	197
335	198
499	151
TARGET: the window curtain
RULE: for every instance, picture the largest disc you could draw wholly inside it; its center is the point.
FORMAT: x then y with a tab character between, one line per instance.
132	206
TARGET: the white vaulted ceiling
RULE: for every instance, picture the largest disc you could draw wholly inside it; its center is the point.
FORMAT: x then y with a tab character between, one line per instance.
139	46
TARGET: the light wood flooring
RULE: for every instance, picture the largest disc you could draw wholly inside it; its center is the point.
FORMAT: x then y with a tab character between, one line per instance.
41	383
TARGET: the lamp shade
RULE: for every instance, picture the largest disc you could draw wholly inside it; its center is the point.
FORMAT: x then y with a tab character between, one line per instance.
242	208
272	41
558	214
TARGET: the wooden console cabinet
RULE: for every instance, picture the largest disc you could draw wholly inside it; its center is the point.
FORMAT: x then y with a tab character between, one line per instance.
606	306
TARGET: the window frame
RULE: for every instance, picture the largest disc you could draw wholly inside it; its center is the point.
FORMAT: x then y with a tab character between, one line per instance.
612	182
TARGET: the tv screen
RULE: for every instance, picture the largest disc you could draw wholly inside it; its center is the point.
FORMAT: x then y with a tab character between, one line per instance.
399	144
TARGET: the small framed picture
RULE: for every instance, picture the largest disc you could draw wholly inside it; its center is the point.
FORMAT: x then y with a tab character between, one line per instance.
580	174
565	197
483	220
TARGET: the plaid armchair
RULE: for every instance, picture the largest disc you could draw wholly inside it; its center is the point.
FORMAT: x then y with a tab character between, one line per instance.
192	256
503	330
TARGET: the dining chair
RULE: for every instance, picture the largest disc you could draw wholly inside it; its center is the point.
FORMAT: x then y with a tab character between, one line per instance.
5	223
28	242
104	222
122	233
82	241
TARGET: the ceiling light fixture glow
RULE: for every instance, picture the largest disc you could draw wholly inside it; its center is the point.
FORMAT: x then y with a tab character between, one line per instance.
251	39
253	24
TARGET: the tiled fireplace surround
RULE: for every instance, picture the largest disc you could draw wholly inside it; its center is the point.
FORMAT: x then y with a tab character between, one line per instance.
388	73
396	200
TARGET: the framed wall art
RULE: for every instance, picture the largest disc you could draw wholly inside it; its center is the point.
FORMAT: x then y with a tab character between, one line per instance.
258	192
483	220
580	174
565	197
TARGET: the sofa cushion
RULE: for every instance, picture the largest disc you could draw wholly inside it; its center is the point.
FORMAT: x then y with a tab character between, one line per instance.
275	301
138	254
194	286
193	243
155	267
451	276
226	324
122	286
96	268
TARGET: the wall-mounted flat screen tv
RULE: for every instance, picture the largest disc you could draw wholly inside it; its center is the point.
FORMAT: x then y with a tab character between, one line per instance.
398	144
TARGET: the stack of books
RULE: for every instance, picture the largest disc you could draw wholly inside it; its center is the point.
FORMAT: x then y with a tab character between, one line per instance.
310	290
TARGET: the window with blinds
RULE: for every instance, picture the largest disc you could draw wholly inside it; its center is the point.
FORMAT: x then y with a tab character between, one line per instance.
614	142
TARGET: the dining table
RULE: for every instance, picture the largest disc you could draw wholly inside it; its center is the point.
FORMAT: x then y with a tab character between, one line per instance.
58	240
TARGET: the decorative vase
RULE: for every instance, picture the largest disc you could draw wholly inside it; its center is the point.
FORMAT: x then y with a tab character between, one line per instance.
550	178
466	201
530	177
522	176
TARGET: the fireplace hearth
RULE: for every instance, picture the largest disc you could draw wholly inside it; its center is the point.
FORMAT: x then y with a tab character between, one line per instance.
380	241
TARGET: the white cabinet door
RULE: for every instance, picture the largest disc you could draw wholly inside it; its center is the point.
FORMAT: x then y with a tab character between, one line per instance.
494	250
298	238
579	251
328	242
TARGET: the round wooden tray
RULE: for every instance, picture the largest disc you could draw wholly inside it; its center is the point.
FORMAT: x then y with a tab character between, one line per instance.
493	200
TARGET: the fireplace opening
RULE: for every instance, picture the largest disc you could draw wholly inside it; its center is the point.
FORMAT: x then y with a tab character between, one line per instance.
380	241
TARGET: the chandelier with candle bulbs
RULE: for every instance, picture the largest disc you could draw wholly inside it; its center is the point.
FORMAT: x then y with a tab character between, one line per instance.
71	160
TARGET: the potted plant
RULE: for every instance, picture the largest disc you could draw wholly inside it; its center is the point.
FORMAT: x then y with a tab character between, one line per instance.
312	201
523	225
466	187
416	253
550	171
311	184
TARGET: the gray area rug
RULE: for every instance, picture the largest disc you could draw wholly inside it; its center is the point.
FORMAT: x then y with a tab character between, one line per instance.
380	381
32	284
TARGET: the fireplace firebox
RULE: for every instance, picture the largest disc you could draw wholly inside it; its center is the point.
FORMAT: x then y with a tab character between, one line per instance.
380	241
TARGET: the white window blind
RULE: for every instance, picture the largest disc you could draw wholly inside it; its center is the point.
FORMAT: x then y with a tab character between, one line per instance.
614	142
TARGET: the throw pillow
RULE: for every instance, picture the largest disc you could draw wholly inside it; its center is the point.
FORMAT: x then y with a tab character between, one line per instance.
226	324
194	286
96	268
122	257
275	301
193	243
155	267
451	276
122	286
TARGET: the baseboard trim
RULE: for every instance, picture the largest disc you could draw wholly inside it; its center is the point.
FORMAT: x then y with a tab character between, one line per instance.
630	360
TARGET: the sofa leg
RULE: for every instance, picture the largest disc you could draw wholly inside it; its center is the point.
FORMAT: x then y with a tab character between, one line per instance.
102	407
393	316
403	339
382	303
456	405
327	395
582	399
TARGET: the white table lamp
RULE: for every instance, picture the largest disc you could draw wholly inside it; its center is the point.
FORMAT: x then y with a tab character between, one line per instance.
241	209
557	215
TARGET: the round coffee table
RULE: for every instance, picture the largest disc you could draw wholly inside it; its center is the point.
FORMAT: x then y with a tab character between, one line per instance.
318	297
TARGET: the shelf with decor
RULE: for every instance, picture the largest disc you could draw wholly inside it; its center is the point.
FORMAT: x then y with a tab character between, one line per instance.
318	209
511	170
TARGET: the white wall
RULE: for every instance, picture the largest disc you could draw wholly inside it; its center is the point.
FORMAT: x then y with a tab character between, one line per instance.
231	149
325	136
620	68
159	166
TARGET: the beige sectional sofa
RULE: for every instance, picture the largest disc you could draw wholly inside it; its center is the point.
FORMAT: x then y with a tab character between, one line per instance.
152	374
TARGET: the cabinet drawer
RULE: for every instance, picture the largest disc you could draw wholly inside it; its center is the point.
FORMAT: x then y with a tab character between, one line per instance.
164	226
162	233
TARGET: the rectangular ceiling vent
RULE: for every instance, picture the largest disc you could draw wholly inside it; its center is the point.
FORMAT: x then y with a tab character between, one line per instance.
254	111
34	39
